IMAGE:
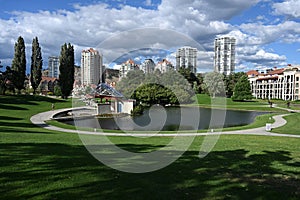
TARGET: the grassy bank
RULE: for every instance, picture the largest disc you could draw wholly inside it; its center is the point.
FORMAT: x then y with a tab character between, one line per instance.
206	101
292	126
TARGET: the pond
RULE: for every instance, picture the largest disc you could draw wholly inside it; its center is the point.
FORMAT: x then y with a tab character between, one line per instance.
171	119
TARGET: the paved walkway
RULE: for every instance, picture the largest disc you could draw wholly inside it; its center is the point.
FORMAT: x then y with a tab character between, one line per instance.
40	119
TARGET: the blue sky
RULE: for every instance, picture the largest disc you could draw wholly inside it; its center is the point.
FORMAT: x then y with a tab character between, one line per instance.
267	32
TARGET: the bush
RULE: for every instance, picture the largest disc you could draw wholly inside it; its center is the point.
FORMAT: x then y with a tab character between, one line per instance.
138	110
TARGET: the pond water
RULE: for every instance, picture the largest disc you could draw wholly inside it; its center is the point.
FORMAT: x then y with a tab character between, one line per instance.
171	119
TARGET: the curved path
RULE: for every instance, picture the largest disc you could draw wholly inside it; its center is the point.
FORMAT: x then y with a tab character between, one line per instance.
40	119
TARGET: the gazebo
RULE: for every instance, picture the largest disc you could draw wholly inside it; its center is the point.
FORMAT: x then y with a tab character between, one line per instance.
115	102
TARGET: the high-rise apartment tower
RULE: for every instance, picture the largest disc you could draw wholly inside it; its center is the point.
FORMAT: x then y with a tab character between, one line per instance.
224	60
53	66
91	67
186	57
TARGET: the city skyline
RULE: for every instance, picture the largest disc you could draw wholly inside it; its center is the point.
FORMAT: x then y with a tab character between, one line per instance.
267	32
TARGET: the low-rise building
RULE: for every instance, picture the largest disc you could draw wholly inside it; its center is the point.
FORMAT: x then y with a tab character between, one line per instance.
47	84
281	83
126	67
164	66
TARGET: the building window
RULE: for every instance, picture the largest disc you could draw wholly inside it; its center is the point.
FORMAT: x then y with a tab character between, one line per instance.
297	78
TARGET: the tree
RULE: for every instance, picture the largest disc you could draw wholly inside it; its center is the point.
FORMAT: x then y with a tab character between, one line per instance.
130	83
5	81
242	90
179	86
19	65
66	68
167	88
153	93
213	83
188	75
230	82
57	91
36	65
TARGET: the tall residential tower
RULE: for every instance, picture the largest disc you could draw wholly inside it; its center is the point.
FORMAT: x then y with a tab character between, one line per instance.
224	60
53	66
186	57
91	67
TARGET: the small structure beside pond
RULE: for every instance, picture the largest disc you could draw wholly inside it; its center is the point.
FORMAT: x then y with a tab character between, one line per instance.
110	101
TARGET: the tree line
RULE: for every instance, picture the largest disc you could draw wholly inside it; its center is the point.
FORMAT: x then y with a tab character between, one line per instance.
179	87
14	77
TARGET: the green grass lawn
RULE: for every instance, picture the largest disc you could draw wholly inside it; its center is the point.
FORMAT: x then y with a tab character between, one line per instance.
292	126
41	164
204	100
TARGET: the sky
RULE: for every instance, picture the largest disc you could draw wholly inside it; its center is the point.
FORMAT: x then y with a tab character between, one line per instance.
267	32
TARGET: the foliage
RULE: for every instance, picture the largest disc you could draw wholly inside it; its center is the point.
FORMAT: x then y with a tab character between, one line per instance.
242	90
153	93
57	91
178	85
36	65
213	84
137	110
5	81
130	83
198	87
230	82
156	88
19	65
189	76
66	68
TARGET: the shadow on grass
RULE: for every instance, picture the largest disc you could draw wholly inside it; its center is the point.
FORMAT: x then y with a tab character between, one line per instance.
17	124
10	118
26	99
60	171
9	107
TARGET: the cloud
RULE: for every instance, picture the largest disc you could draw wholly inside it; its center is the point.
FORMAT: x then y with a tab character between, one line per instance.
288	31
289	8
264	58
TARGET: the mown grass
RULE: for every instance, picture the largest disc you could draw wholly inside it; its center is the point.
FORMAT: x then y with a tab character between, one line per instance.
42	164
292	126
206	101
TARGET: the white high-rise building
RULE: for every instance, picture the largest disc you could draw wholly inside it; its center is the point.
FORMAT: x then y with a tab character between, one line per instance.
148	66
224	60
186	57
91	67
53	66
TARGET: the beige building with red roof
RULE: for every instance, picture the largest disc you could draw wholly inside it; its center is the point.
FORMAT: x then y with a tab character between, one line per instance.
281	83
164	66
126	67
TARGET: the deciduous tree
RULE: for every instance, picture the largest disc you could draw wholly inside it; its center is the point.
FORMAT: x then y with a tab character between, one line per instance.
213	83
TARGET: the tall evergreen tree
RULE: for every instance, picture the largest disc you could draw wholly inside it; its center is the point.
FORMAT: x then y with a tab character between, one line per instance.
36	64
19	65
66	68
242	90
